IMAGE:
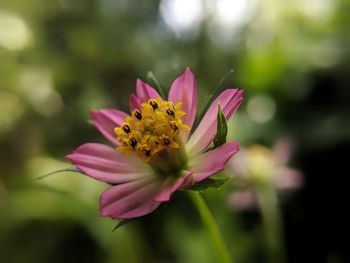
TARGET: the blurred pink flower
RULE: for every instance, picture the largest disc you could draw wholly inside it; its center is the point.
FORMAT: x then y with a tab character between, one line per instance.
257	166
155	154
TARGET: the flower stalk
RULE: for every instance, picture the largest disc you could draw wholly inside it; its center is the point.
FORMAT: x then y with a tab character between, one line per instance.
211	225
272	223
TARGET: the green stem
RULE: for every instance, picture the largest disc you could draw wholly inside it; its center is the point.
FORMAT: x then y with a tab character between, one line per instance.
210	223
268	202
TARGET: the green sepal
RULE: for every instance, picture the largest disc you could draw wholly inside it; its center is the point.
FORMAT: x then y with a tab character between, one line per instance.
155	82
221	131
214	181
70	169
122	223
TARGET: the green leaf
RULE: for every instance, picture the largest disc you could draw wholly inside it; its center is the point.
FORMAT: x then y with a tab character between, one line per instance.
123	222
215	181
155	82
212	97
71	169
221	131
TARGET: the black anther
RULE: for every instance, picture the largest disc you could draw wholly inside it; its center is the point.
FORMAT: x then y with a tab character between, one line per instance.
153	104
170	112
126	128
133	142
138	114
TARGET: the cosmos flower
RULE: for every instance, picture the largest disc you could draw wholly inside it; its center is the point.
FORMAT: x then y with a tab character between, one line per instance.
257	167
155	152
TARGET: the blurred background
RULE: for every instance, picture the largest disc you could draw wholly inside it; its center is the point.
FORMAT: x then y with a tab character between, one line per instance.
287	198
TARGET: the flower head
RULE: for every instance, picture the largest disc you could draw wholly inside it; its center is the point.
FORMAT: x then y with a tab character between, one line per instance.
155	151
258	166
152	132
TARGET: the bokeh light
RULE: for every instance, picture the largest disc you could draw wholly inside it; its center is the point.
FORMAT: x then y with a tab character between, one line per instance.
261	109
14	32
182	16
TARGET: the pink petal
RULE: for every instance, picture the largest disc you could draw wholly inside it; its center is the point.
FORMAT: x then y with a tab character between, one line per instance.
229	100
289	179
130	200
169	187
211	162
106	120
184	89
135	103
144	92
105	164
282	151
243	200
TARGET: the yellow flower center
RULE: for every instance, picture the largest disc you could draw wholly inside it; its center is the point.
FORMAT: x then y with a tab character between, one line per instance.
152	131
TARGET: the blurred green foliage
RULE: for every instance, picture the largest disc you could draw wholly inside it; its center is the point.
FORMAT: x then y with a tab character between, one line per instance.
60	58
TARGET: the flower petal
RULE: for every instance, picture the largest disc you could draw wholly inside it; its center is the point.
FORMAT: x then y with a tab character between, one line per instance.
105	164
211	162
184	89
130	200
288	179
282	151
169	186
135	103
243	200
229	100
106	120
144	92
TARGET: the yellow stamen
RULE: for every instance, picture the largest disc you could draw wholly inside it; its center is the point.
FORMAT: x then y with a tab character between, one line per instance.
151	130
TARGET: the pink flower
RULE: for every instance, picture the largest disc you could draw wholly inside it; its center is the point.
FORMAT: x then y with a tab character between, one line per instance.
155	152
260	167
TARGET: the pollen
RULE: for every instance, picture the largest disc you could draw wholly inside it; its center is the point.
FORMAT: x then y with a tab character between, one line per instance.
152	130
